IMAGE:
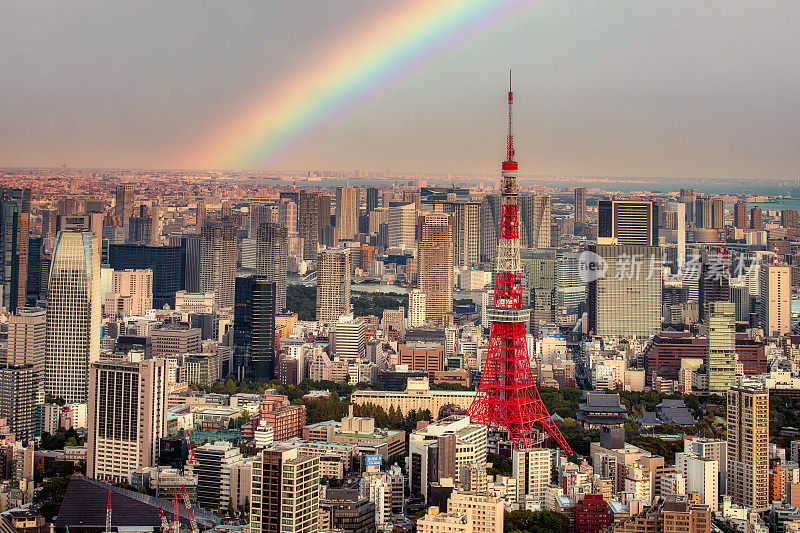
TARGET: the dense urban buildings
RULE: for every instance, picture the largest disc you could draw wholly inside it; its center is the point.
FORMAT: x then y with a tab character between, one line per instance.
304	351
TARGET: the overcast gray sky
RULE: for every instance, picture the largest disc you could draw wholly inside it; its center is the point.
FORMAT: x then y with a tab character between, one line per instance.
625	88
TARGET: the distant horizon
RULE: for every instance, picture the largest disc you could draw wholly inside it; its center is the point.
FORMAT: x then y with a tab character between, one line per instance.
421	173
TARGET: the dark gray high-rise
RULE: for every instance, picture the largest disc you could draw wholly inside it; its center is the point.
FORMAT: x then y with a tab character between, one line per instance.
254	326
272	251
190	259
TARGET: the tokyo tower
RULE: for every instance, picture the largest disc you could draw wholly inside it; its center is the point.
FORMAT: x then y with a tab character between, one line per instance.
507	397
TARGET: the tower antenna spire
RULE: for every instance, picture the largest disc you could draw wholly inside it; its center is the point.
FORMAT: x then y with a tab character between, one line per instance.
510	135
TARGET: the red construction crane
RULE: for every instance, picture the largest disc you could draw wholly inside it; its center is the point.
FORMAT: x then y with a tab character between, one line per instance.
507	397
176	514
164	523
189	509
108	513
191	450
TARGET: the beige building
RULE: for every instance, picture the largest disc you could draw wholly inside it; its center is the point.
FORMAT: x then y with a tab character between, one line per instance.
127	417
436	266
135	285
416	397
218	255
436	522
416	308
532	469
748	446
195	302
347	201
333	285
27	332
487	511
775	298
285	492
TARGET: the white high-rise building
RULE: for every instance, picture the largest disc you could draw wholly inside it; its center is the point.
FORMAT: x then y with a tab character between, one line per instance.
710	449
702	477
127	417
402	222
532	470
416	308
74	315
348	338
775	300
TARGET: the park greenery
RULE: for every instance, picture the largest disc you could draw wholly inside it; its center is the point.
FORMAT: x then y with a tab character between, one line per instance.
303	300
535	522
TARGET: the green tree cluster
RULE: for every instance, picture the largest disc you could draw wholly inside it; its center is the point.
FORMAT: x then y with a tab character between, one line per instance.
60	439
535	522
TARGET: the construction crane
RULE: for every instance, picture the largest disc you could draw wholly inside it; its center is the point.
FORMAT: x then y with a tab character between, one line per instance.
108	513
191	449
176	515
164	523
189	509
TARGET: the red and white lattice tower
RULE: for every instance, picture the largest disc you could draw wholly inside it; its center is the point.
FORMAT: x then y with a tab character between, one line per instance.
507	397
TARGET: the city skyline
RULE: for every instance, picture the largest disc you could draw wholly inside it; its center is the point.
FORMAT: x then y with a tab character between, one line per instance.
622	89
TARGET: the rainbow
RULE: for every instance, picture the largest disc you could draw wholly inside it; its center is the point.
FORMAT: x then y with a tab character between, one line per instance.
377	56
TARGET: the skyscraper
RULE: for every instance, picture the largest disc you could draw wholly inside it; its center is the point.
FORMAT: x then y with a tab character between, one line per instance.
127	417
123	206
200	214
740	215
166	262
333	285
626	299
272	253
73	316
218	254
347	200
285	491
287	216
308	223
717	213
687	198
436	266
580	205
748	446
190	259
721	351
19	395
467	228
535	220
775	299
756	220
372	198
15	204
254	326
260	213
490	226
627	222
416	308
27	335
401	221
